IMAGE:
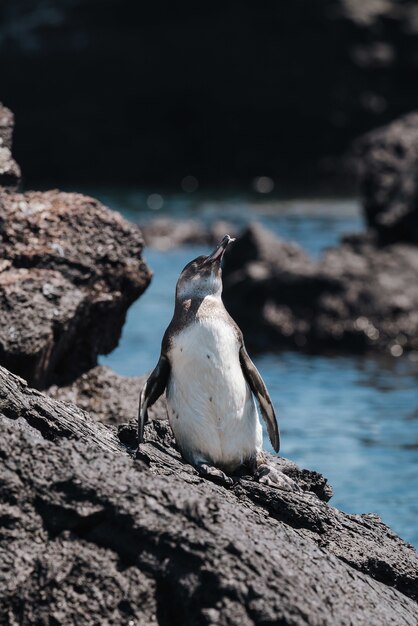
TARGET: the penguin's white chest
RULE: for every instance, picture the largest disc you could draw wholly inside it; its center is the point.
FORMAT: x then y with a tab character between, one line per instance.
210	406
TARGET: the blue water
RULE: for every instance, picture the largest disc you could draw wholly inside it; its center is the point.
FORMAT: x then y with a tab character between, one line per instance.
353	419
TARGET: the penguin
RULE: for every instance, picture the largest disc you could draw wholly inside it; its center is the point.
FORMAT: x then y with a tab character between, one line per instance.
211	383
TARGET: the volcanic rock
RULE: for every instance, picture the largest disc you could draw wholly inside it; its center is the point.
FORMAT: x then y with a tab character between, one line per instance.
357	297
106	396
142	94
9	169
89	535
387	163
69	269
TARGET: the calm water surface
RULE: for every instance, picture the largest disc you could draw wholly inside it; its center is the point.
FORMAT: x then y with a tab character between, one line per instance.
353	419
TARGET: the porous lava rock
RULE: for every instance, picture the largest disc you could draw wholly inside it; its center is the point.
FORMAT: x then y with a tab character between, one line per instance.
69	270
91	535
9	169
357	297
387	162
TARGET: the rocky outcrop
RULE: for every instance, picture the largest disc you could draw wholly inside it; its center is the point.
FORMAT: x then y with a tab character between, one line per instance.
350	65
360	296
69	269
356	298
91	535
387	163
9	169
165	233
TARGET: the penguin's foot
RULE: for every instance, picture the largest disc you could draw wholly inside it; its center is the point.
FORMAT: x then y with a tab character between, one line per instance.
267	475
215	474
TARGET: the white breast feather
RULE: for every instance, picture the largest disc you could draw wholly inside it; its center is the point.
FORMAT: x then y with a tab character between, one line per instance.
211	408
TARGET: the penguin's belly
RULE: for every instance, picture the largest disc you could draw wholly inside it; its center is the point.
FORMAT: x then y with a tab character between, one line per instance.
210	405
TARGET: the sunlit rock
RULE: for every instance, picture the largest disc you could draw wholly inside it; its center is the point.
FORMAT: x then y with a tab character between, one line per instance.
70	268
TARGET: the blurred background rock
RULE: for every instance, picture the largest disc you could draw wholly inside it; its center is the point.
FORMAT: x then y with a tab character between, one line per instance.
126	91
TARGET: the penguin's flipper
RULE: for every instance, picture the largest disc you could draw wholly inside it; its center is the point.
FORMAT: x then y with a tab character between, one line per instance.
151	391
259	389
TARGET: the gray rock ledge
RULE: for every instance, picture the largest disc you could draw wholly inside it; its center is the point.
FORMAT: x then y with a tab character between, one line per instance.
89	535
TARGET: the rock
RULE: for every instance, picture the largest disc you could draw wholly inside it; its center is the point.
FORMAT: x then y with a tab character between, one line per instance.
165	233
101	388
387	163
89	535
350	66
69	270
9	169
356	298
106	396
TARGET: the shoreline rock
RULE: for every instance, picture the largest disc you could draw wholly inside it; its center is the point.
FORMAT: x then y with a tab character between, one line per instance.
112	398
69	270
386	160
103	538
360	296
356	298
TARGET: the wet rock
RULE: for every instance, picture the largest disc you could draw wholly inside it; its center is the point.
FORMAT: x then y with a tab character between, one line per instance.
165	233
387	163
356	298
69	270
9	169
90	535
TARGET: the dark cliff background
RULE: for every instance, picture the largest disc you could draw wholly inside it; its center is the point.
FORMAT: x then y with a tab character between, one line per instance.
121	91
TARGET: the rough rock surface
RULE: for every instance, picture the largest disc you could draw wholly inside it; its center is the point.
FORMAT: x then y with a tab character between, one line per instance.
9	169
105	395
357	297
69	269
89	535
114	399
164	233
387	162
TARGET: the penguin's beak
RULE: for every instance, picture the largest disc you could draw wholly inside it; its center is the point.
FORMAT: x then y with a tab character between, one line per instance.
219	251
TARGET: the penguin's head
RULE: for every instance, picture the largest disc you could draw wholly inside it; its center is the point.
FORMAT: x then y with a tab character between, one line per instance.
203	276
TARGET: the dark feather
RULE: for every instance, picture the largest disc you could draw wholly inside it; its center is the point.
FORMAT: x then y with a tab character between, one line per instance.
259	389
151	391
